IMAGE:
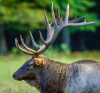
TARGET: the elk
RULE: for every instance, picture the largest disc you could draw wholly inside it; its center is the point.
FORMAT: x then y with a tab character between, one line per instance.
49	76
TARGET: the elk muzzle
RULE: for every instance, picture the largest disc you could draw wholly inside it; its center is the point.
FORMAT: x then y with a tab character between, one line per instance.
15	76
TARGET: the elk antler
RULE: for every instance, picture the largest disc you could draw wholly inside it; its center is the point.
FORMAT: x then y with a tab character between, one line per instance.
52	32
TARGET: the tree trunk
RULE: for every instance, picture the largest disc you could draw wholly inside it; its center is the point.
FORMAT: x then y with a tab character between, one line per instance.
27	39
3	45
82	43
66	38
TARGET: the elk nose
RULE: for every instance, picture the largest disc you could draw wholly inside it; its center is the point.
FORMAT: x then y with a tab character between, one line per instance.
14	75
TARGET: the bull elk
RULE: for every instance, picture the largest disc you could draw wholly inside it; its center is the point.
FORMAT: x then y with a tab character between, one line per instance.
49	76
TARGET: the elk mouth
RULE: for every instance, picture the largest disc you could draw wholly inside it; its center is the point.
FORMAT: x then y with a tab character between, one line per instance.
23	78
19	79
29	79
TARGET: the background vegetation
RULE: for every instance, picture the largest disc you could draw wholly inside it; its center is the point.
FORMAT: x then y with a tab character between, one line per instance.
21	16
11	63
73	44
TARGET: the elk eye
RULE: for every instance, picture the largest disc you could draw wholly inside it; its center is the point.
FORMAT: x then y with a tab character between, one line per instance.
31	64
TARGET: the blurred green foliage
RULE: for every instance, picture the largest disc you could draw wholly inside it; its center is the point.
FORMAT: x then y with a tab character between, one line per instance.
63	46
25	15
84	8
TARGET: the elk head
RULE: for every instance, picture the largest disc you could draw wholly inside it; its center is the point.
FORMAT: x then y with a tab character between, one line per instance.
29	70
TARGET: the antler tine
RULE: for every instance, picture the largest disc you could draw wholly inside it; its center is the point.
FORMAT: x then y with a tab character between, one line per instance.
67	14
21	49
42	38
34	41
27	48
46	18
76	19
53	15
76	24
58	17
48	26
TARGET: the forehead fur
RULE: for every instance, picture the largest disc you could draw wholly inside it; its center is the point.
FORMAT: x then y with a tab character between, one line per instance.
30	60
42	56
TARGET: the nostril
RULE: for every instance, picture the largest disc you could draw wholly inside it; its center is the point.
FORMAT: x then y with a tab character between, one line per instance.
14	75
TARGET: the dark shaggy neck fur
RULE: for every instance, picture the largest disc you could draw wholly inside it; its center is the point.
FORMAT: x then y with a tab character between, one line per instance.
51	77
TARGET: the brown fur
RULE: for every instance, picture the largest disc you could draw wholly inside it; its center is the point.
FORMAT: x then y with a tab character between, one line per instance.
86	61
54	77
51	77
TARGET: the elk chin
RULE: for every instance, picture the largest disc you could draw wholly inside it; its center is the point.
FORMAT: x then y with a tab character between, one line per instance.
31	82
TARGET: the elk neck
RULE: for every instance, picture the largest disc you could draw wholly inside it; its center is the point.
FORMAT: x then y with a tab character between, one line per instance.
52	76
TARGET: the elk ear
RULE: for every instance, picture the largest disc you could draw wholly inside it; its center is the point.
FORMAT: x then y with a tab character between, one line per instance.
39	61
